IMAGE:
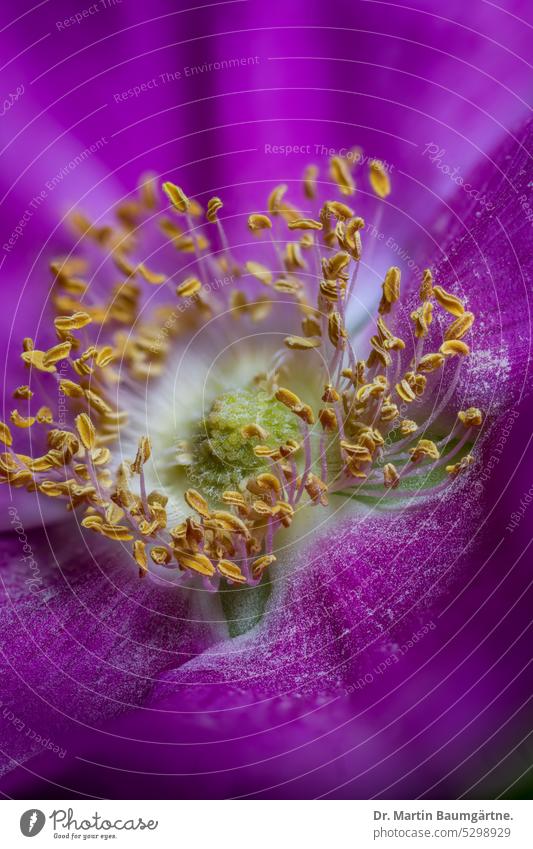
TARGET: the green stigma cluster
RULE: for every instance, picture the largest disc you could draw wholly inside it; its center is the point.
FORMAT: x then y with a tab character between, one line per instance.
222	457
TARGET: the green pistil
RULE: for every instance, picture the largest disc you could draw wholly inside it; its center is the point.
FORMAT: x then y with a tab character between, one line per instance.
222	457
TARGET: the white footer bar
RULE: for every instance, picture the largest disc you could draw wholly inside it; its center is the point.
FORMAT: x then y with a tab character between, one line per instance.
268	824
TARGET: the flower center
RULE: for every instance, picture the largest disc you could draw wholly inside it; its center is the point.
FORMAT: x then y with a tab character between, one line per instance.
222	448
261	453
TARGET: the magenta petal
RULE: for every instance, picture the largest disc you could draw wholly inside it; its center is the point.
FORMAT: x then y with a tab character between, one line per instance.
83	638
485	257
261	703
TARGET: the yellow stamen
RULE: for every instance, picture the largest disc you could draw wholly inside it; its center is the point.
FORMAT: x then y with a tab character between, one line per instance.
197	503
459	327
341	175
139	553
310	177
22	421
450	303
260	272
190	287
301	343
177	197
213	207
304	224
86	430
454	347
258	222
230	570
379	179
473	417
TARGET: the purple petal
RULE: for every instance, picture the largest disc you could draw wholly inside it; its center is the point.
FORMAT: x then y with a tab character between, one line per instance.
83	637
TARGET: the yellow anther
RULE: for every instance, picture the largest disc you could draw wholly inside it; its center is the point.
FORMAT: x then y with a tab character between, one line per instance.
260	272
408	426
253	430
196	562
233	497
150	276
454	347
258	222
459	327
139	554
336	330
405	392
44	415
86	430
293	259
269	482
461	466
160	555
422	318
473	417
289	286
424	448
93	522
213	207
391	478
379	179
177	197
22	421
327	418
288	398
449	302
57	353
117	532
340	173
389	411
266	451
262	563
23	392
310	177
35	359
301	343
341	212
104	356
144	451
330	394
190	287
430	362
305	224
426	288
316	490
67	323
230	522
275	199
231	571
5	434
391	289
197	503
